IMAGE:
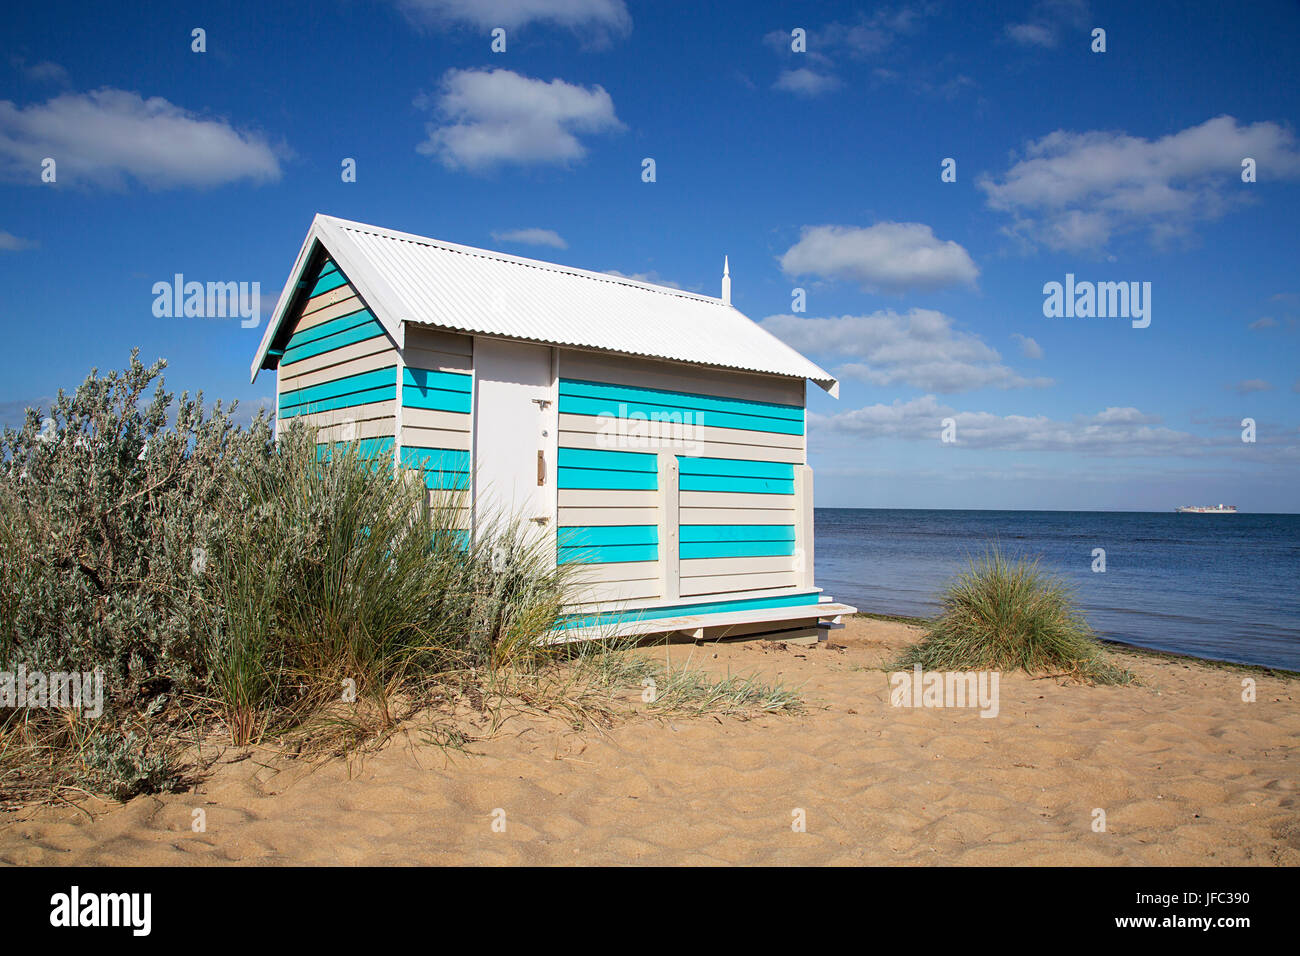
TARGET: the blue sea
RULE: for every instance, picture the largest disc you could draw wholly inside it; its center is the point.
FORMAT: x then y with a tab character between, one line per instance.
1225	587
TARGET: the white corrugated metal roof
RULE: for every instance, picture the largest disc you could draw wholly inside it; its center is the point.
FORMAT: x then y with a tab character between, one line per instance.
407	278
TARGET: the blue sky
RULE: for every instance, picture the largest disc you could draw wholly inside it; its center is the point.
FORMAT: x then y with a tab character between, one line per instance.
817	170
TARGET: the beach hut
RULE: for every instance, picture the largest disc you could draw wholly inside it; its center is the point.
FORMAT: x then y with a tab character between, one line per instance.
655	437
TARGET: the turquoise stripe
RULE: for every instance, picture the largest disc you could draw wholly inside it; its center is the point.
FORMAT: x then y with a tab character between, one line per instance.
738	468
432	378
457	538
343	401
574	536
446	480
327	282
339	324
608	554
438	391
345	392
444	468
366	448
342	386
736	549
327	267
682	400
736	532
579	405
591	478
435	459
360	333
759	486
607	460
679	610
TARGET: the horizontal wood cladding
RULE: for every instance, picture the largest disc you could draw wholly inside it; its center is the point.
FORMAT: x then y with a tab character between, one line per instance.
735	541
437	398
349	360
591	431
672	376
607	544
735	442
338	371
328	336
379	385
437	390
673	408
733	475
597	470
435	349
442	468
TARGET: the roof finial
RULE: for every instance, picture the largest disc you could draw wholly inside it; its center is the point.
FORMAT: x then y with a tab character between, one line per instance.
726	282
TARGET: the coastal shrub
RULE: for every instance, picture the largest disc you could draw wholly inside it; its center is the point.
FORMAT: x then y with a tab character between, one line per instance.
108	517
213	567
1005	614
123	765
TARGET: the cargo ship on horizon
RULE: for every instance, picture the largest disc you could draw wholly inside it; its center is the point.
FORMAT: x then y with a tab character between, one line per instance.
1207	510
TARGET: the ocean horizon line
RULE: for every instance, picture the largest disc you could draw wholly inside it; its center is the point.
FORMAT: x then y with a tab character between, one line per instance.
1098	511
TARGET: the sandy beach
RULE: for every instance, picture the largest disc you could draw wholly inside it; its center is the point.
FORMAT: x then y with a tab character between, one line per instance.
1185	771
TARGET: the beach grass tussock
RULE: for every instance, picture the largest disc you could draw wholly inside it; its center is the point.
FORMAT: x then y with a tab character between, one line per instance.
1006	613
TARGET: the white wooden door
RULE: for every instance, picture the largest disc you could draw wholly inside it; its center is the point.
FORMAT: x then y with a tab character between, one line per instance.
514	432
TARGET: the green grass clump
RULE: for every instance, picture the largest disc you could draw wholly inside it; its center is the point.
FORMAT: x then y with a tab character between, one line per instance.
351	577
691	691
1004	614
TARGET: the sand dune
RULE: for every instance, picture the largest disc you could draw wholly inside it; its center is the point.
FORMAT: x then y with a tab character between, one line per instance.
1185	771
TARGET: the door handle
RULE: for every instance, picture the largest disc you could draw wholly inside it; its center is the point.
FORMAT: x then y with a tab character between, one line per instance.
541	467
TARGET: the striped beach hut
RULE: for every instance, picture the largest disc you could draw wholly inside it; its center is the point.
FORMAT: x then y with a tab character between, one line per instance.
656	436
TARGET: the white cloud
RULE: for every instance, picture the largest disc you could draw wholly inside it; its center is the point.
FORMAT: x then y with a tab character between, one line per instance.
1248	386
805	82
1075	191
865	36
604	16
1031	34
920	348
1264	322
889	256
1028	347
11	243
652	277
108	137
47	71
490	117
1046	19
532	237
1113	432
